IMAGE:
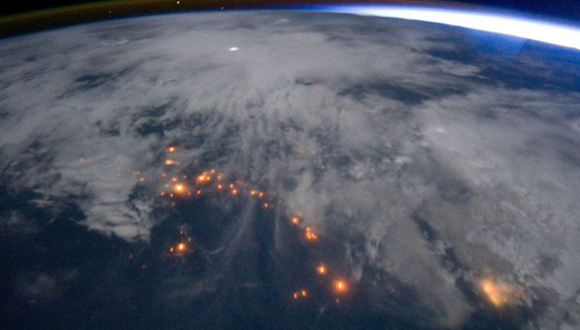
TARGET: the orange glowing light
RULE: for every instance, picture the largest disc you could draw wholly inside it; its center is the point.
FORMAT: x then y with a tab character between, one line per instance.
181	247
231	185
260	194
498	293
171	149
219	186
310	235
169	162
174	179
321	269
171	249
303	292
198	191
179	188
295	220
253	192
340	286
234	191
295	295
266	205
141	179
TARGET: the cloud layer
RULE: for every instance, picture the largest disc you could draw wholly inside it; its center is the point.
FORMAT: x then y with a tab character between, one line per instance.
434	164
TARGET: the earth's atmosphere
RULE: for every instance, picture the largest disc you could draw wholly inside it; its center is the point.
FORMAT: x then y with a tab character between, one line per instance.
196	171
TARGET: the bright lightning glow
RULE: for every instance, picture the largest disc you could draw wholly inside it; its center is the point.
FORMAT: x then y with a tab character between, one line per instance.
560	35
497	292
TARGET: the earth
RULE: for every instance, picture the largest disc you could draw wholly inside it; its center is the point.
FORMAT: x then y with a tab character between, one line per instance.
287	170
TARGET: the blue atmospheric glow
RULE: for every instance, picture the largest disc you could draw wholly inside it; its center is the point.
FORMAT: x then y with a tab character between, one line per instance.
560	35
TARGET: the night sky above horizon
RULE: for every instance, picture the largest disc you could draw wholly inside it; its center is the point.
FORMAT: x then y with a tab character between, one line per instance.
562	9
18	16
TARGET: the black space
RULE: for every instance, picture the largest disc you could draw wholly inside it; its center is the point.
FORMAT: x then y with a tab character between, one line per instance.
567	10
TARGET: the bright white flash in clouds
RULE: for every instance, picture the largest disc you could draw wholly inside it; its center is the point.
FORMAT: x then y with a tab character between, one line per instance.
560	35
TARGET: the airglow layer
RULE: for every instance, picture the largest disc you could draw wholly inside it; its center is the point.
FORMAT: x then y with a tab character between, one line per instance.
561	35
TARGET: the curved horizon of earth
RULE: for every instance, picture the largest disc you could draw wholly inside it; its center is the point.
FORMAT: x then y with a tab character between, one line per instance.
288	170
519	26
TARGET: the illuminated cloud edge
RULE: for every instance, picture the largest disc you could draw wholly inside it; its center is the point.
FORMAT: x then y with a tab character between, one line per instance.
556	34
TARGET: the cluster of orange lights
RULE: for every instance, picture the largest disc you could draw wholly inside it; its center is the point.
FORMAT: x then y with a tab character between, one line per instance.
257	193
498	293
339	286
208	179
179	248
300	294
213	180
309	234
